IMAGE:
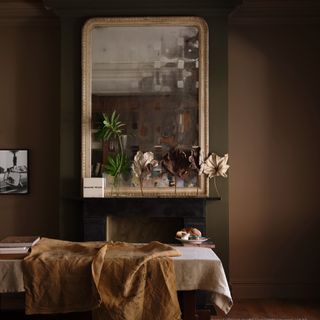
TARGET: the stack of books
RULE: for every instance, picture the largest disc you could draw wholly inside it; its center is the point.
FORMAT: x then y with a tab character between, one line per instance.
17	247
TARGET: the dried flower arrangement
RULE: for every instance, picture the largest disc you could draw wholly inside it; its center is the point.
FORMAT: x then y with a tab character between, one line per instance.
177	162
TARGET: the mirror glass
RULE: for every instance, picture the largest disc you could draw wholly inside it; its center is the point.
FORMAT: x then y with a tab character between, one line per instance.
151	73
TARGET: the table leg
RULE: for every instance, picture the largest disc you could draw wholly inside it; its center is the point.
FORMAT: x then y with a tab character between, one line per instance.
187	300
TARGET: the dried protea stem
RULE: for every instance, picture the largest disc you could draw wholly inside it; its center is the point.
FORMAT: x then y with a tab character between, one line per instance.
198	180
141	185
215	186
175	184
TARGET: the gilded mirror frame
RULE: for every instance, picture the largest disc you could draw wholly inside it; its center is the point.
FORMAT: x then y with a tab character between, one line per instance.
202	95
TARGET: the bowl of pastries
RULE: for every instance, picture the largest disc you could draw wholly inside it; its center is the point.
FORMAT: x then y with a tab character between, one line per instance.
190	236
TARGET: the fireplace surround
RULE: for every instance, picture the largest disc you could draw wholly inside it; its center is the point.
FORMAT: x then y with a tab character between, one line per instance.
176	212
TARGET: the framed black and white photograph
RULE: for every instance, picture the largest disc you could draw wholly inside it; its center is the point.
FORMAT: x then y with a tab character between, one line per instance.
14	171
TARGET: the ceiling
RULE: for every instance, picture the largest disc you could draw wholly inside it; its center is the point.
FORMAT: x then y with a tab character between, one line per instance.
250	11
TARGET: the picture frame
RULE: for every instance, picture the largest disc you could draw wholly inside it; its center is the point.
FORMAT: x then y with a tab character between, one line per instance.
152	72
14	171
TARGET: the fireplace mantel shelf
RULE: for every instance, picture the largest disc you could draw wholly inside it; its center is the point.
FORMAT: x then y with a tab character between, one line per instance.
149	198
142	198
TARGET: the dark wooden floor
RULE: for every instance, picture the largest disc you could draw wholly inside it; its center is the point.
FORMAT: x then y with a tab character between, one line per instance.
242	310
272	310
19	315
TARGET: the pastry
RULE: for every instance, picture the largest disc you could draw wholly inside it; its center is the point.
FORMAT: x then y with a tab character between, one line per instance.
187	233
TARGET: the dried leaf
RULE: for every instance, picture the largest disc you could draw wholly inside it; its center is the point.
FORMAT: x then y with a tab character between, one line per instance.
143	163
176	162
195	158
215	166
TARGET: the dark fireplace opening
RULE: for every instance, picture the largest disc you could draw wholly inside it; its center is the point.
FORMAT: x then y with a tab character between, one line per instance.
141	219
143	229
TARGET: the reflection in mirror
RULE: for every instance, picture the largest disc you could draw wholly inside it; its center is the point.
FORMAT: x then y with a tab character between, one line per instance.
152	73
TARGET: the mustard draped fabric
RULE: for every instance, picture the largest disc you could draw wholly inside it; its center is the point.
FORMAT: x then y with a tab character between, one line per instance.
116	280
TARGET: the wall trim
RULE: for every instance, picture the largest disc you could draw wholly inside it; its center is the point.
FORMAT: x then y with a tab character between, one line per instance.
276	12
114	8
270	289
22	13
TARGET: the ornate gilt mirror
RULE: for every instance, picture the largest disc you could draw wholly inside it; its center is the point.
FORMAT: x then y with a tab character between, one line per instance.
148	76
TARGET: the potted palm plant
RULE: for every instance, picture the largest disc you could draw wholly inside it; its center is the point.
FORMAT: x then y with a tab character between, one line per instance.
118	163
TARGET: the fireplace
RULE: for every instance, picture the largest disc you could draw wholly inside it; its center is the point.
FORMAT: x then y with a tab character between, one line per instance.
147	219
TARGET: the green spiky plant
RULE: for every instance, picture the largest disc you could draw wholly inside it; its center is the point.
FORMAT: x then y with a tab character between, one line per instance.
112	127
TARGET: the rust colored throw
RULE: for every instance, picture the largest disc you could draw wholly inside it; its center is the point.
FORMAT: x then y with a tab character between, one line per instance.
116	280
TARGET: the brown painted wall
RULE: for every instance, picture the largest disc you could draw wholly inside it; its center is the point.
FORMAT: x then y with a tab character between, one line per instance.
274	130
274	125
29	118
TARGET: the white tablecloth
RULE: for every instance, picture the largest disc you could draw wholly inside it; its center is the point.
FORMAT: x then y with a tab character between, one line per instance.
11	277
196	269
201	269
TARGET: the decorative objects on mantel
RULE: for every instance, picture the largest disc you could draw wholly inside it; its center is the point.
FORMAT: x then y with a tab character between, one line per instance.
142	165
178	165
215	166
118	163
93	187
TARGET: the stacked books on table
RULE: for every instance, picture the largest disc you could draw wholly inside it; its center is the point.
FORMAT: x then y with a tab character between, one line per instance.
17	247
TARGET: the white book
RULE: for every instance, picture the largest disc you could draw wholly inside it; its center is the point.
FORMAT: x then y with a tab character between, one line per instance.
93	187
14	250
